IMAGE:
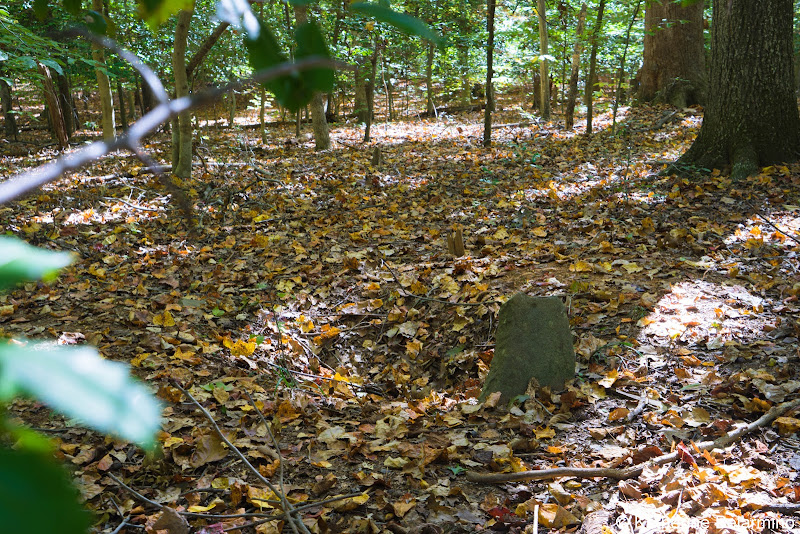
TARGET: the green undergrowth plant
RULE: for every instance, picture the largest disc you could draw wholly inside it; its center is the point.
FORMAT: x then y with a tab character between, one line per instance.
36	495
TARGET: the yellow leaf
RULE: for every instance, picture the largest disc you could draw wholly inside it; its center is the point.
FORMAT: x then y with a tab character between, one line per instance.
243	348
500	234
164	319
581	267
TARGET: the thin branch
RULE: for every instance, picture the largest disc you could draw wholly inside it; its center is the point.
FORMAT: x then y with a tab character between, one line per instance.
288	508
630	472
146	72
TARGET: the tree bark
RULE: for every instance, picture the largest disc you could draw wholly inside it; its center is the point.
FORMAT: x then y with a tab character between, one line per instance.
431	109
10	128
598	26
53	107
319	124
66	102
205	48
544	76
576	67
103	86
123	117
369	90
487	114
751	117
182	142
673	71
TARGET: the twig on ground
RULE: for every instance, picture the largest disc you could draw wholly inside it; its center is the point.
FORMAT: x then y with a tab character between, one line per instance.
630	472
295	523
776	228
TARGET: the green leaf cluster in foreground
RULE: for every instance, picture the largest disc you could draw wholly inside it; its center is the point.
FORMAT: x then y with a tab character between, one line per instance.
75	381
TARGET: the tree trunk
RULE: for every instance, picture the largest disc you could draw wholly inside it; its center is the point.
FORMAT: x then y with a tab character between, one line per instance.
598	26
103	86
262	126
673	71
370	90
66	102
231	108
53	107
360	105
462	51
576	67
319	124
751	117
182	142
11	129
332	106
544	76
205	48
621	72
431	108
123	117
487	114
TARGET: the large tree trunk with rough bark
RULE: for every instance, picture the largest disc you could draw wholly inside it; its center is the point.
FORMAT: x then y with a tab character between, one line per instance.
673	71
751	117
182	142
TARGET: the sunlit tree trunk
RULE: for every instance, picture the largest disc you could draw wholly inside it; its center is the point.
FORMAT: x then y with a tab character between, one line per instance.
751	118
576	67
544	76
673	70
103	86
182	142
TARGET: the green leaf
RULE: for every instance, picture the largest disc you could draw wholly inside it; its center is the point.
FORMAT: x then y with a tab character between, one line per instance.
53	65
73	7
156	12
96	22
401	21
311	43
36	496
20	262
77	382
264	53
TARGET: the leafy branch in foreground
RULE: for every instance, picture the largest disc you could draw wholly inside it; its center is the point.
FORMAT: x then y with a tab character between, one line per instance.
75	381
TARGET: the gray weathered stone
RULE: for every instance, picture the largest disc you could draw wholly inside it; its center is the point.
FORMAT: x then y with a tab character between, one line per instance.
533	340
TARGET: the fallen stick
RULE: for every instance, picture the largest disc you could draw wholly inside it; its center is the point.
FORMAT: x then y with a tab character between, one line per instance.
630	472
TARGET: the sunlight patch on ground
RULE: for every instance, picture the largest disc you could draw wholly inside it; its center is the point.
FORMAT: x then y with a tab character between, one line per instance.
706	316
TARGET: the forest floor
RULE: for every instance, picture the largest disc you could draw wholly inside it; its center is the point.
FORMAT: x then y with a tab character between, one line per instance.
321	285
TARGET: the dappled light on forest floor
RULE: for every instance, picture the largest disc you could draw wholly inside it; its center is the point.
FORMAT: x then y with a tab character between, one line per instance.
324	285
